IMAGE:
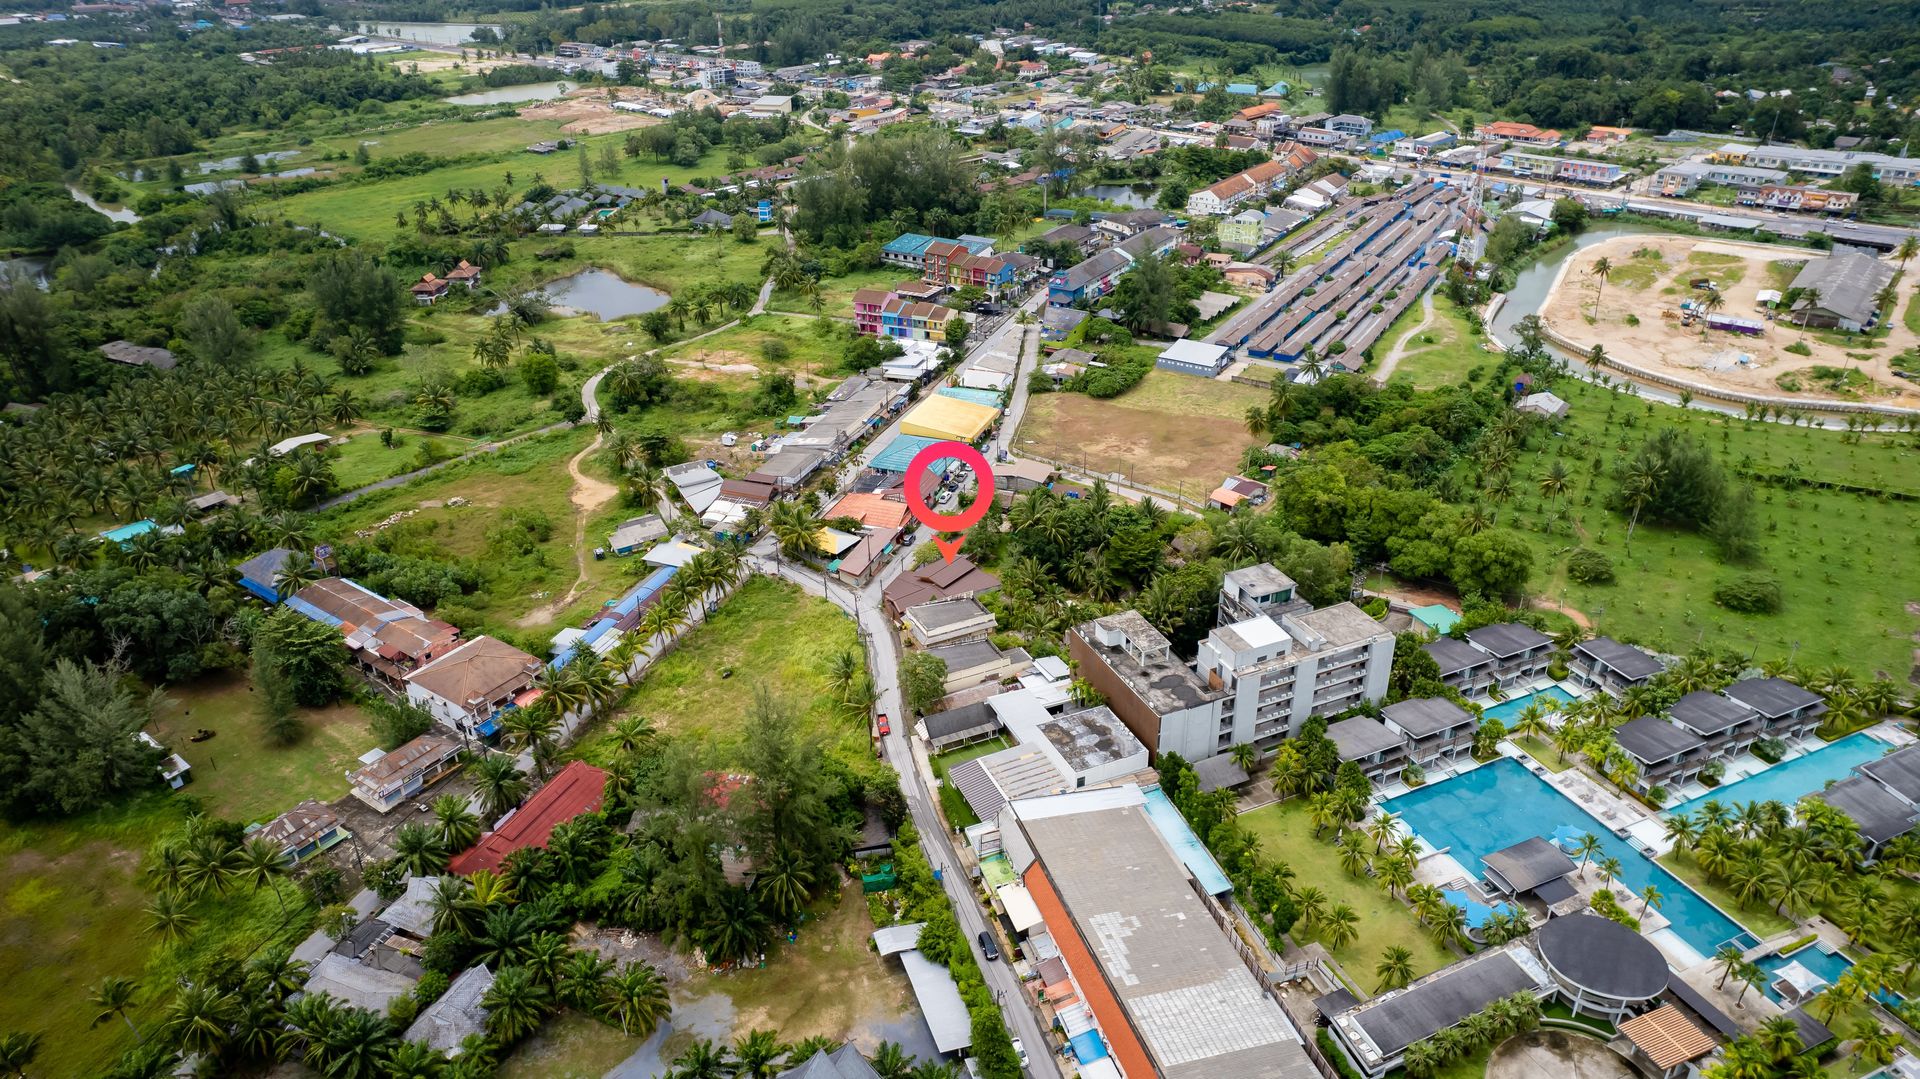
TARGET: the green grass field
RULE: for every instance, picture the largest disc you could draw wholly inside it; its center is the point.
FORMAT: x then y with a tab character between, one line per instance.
812	357
1762	919
1818	544
1285	834
235	773
1447	352
768	633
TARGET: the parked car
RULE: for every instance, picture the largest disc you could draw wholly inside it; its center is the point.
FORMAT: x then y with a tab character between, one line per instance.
884	725
1020	1051
987	947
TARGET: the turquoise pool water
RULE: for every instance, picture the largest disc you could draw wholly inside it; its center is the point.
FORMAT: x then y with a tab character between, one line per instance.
1828	965
1173	828
1500	804
1509	710
1793	780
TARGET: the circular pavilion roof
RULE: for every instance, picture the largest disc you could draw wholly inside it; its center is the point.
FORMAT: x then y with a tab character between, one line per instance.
1603	957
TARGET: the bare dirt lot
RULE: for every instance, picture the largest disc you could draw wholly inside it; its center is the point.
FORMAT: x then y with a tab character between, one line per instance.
588	112
1172	431
1651	275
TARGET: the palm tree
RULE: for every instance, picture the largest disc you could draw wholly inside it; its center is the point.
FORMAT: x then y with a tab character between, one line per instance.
419	850
1394	871
1682	831
500	783
1729	958
637	998
1599	271
1354	857
1779	1036
756	1054
1609	869
1649	897
1876	1044
794	529
1588	846
1311	902
1245	755
261	865
534	729
1423	1059
516	1004
632	733
113	997
168	919
703	1060
458	827
198	1019
1395	968
1449	923
1342	926
1639	483
889	1061
1711	303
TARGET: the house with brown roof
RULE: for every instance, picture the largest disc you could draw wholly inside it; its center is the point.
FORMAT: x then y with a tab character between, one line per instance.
468	687
936	580
576	789
428	289
386	638
465	274
306	829
871	509
394	777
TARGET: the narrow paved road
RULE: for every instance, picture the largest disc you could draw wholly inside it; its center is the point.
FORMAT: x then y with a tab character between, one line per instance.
883	651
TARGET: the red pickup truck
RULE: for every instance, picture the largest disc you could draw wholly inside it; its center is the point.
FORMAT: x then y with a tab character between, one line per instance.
882	725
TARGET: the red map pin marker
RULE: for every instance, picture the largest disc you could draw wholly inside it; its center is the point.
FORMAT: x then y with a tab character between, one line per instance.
949	522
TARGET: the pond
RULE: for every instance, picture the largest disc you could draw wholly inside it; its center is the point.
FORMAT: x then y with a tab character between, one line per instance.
507	95
122	215
430	33
1133	197
602	294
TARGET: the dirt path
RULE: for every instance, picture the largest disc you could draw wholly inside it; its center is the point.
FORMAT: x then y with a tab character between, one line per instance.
1400	349
588	495
1579	616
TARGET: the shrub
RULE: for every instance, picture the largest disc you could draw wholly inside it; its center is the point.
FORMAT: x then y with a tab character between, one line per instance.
1800	348
1588	566
1749	593
1770	750
1413	775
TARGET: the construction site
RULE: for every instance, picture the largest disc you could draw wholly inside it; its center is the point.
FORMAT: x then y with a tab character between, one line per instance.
1341	304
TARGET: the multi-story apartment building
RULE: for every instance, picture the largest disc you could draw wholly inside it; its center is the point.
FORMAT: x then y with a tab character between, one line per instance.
1703	726
1542	167
1506	654
1252	591
1882	797
1886	168
1435	731
1380	752
1607	665
1255	680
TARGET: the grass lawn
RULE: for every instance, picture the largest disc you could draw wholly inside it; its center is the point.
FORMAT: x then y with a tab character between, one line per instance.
569	1046
528	476
1173	431
945	762
813	356
1284	833
364	459
768	633
1817	543
836	293
1763	920
1446	353
235	773
72	903
1544	752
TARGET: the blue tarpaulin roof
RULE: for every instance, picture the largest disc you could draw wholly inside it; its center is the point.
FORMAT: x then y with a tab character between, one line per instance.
1387	136
968	393
1246	88
898	454
1088	1047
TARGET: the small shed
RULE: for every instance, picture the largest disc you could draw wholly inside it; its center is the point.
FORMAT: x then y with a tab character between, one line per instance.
1542	404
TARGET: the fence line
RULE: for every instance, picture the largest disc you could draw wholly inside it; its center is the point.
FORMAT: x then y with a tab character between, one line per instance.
1133	484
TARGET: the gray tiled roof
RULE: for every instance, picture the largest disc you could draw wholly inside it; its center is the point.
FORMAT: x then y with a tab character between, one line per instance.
1529	863
1455	656
1772	697
1880	813
1399	1019
1427	715
1708	713
1899	771
1508	638
1628	661
1362	736
1847	281
955	721
1651	738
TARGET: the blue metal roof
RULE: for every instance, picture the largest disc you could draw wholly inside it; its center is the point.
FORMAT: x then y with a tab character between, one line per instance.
1387	136
911	243
1246	88
311	611
990	398
899	453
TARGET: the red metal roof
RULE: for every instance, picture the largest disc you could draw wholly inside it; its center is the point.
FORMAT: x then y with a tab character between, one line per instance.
577	789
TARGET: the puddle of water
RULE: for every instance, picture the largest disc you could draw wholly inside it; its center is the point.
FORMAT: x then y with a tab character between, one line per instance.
709	1017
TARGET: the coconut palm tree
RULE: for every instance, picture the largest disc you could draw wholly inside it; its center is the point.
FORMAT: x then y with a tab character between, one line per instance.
1354	856
636	997
756	1054
516	1004
1341	927
168	918
1875	1044
794	530
261	865
1312	903
1395	968
1600	271
631	733
1394	872
1650	897
419	850
458	827
534	729
1423	1059
198	1019
112	998
499	781
703	1060
1587	846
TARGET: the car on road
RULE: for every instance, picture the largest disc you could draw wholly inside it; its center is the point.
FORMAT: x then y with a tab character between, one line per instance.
987	947
883	725
1020	1051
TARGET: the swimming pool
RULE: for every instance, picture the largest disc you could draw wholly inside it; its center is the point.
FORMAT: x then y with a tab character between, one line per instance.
1173	828
1828	965
1788	782
1500	804
1509	710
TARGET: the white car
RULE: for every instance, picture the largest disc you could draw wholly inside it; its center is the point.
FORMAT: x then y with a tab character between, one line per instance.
1020	1051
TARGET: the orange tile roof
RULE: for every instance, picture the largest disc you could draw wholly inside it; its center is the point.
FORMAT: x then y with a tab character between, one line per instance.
1667	1037
872	510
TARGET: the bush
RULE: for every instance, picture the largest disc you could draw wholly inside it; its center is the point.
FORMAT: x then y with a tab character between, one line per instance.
1331	1051
1770	750
1413	775
1749	593
1376	608
1588	566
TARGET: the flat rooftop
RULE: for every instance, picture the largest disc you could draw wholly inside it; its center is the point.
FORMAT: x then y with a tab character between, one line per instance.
1163	681
1092	738
1188	996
